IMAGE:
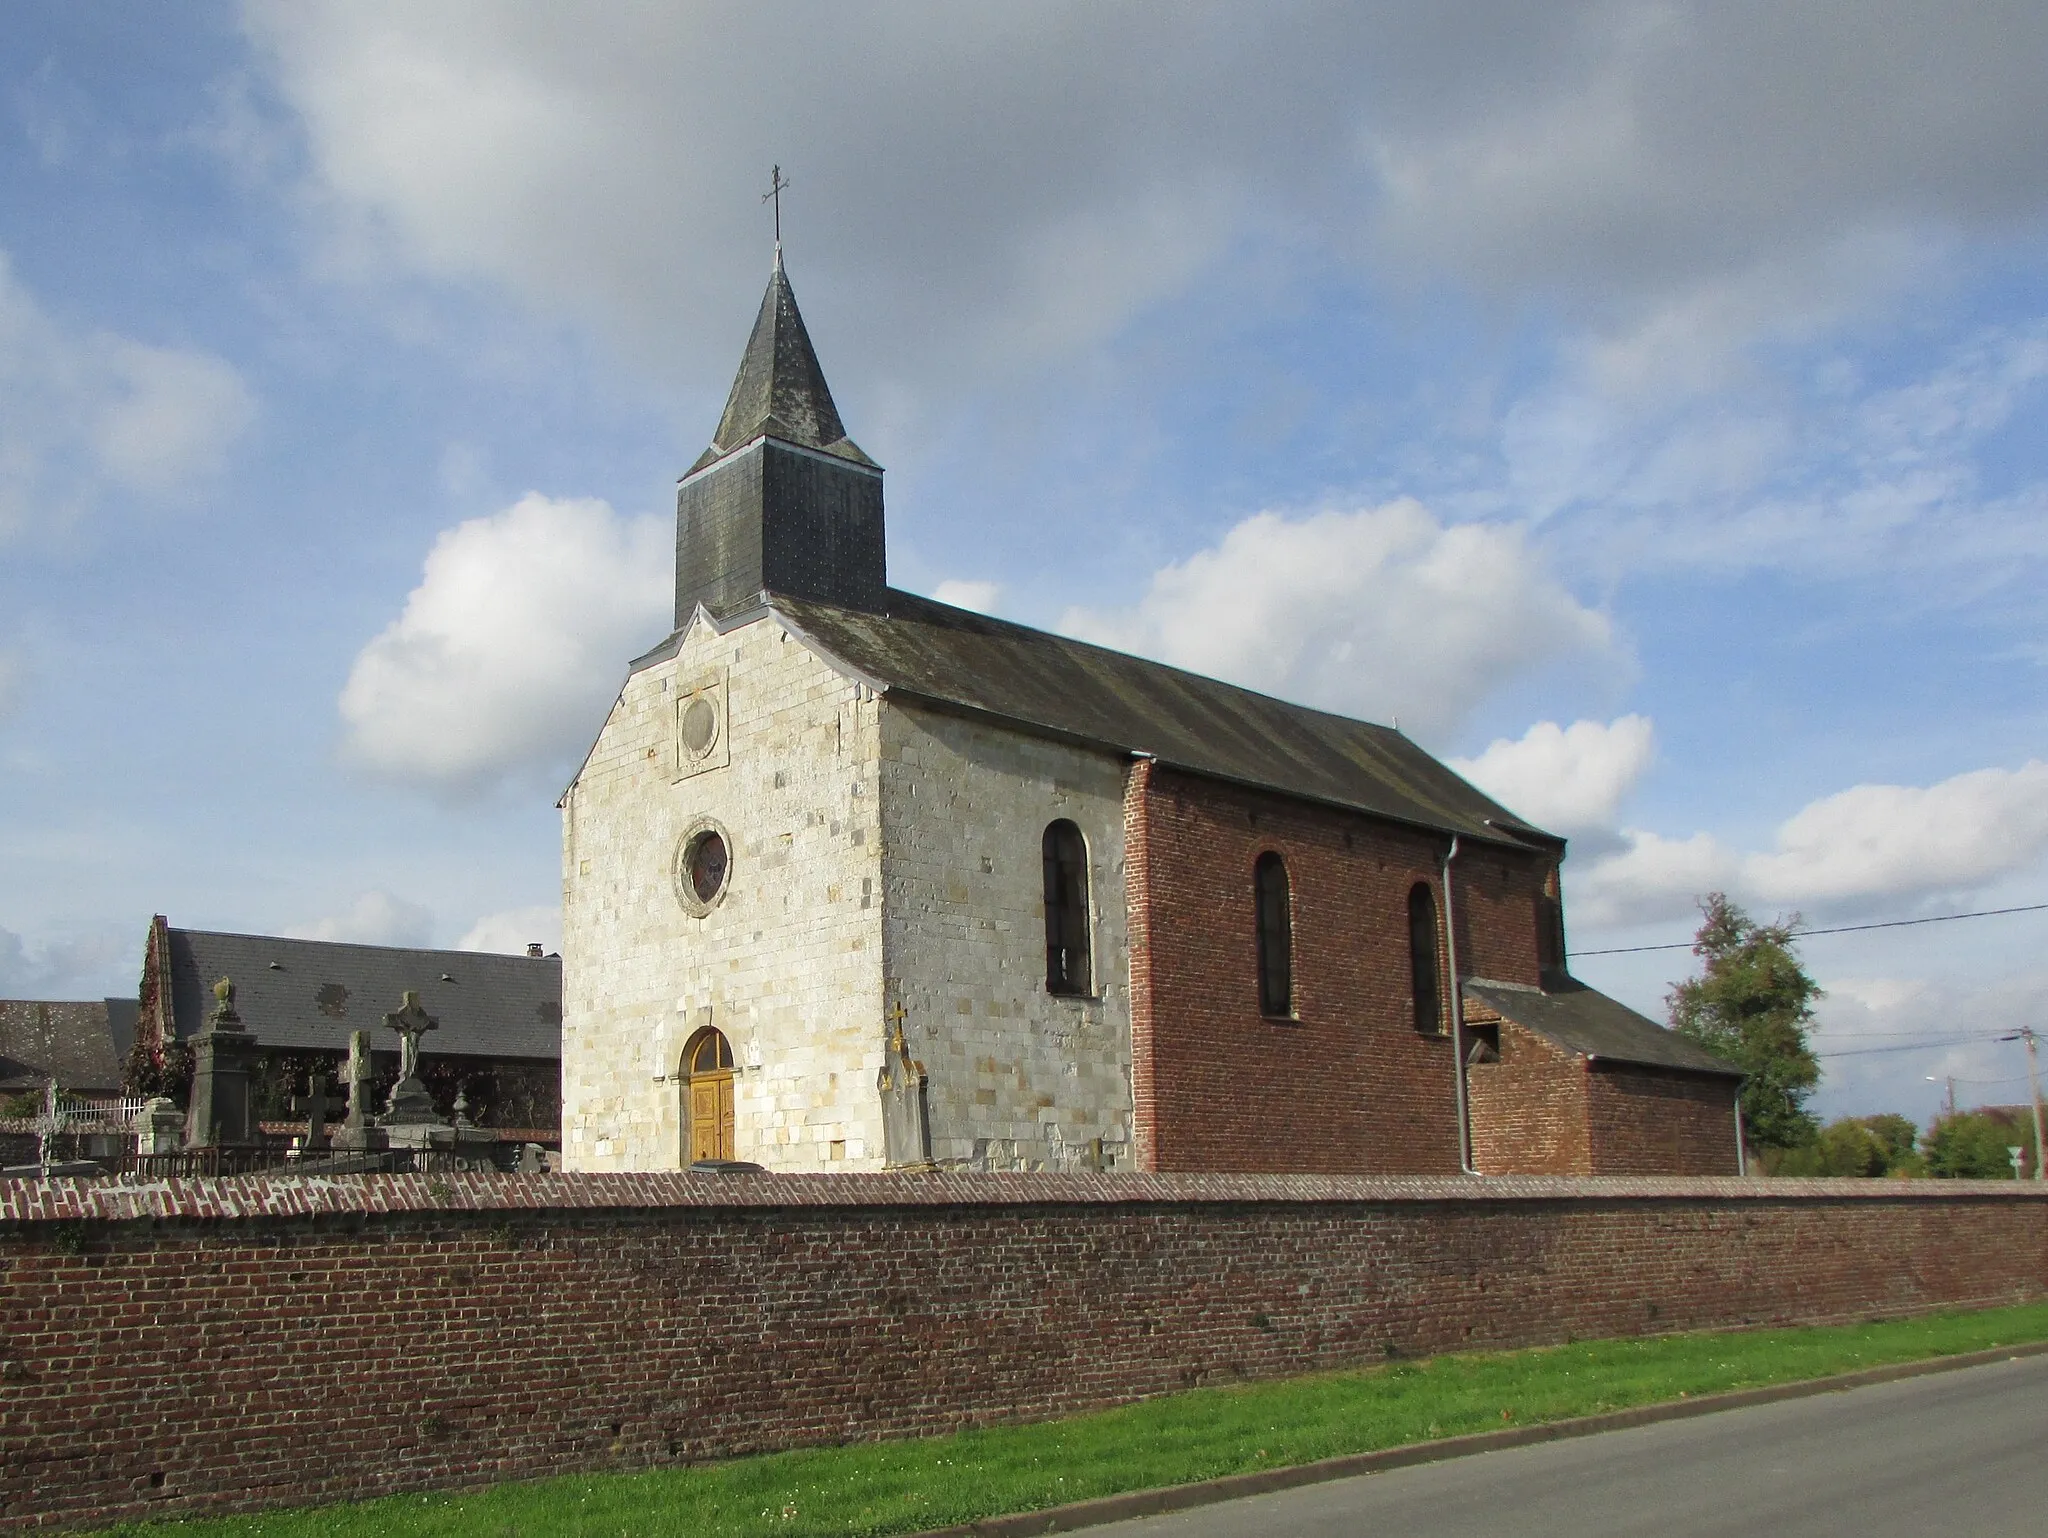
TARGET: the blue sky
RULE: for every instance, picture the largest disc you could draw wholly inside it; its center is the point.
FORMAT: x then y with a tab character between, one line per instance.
1644	403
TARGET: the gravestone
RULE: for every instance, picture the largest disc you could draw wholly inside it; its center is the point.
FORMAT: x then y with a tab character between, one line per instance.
359	1131
313	1106
409	1119
906	1112
160	1128
223	1053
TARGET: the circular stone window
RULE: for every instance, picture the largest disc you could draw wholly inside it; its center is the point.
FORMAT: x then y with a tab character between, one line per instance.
700	726
703	867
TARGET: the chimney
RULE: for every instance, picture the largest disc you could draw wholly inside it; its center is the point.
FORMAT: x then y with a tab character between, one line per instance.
533	949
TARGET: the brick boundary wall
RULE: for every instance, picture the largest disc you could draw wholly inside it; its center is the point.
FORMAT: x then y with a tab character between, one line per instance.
247	1342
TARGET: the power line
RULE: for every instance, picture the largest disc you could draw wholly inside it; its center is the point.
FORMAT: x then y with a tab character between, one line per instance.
1839	929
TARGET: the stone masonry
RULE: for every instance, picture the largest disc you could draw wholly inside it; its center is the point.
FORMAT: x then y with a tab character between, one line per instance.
788	964
1020	1078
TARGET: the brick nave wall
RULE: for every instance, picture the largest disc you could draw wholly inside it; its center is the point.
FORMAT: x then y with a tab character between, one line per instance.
244	1343
1347	1085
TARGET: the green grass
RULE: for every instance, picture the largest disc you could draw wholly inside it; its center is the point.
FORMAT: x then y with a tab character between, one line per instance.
901	1487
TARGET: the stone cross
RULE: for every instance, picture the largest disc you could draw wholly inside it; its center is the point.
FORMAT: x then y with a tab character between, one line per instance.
313	1106
358	1074
411	1022
49	1124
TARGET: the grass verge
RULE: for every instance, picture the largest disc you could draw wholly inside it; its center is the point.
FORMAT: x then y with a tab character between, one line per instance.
904	1487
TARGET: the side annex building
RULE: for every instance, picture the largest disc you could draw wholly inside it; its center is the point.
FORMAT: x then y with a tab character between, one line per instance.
853	879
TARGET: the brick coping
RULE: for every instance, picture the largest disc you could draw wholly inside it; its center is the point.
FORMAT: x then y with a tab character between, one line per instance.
286	1196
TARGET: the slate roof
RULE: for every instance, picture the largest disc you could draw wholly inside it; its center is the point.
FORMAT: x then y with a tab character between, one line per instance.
67	1039
1072	689
1586	1021
780	390
312	993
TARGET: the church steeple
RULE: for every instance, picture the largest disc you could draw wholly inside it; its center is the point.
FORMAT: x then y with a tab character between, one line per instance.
783	501
780	390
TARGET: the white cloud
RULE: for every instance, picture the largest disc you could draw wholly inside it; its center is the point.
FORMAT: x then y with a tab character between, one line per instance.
374	918
978	596
1904	840
1898	842
512	644
1889	1043
1568	779
1657	168
74	966
1383	613
511	931
86	414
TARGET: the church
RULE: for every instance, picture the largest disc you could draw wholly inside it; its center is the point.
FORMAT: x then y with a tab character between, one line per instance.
856	880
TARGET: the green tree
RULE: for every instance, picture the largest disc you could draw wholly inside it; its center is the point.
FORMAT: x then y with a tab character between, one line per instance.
1970	1146
1750	1005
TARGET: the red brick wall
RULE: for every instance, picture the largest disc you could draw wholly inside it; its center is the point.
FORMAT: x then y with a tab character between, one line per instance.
1348	1085
1648	1122
1529	1110
244	1343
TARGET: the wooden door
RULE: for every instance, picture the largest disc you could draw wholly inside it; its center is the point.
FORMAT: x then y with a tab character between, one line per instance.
711	1115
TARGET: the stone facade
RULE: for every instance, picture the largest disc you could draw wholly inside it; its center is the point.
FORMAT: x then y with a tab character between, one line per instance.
883	858
787	963
1020	1078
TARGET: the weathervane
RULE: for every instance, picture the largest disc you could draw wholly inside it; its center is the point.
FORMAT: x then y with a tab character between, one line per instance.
777	183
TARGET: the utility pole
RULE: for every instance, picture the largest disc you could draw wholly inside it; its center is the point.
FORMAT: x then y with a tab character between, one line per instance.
2026	1034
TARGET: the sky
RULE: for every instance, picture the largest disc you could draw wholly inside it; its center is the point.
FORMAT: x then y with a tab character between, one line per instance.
1642	404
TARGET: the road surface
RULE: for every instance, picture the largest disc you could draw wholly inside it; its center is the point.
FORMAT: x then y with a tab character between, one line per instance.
1957	1453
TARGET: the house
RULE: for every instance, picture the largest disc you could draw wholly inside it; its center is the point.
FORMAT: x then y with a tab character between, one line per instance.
77	1044
854	880
498	1040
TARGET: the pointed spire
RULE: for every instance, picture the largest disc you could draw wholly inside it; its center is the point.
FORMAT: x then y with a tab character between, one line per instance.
780	389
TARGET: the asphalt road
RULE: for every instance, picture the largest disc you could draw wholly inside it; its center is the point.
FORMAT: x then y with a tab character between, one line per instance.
1958	1453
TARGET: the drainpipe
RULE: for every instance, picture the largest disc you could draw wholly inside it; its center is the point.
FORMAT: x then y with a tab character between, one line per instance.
1457	1017
1741	1151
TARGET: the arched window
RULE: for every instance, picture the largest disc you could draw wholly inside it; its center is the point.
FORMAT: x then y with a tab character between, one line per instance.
1066	909
1276	936
707	1095
1424	970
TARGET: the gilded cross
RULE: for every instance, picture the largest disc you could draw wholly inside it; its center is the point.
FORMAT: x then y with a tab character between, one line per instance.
777	185
899	1014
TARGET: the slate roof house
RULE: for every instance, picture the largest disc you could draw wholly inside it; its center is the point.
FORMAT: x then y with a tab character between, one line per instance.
499	1037
855	879
76	1043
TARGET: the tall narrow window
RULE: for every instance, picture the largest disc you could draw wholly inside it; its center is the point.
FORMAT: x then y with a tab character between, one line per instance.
1066	909
1424	970
1550	925
1276	936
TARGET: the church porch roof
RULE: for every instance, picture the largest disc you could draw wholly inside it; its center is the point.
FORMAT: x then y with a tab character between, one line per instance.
1587	1022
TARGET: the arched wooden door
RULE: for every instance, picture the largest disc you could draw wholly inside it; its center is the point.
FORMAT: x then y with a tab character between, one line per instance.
707	1061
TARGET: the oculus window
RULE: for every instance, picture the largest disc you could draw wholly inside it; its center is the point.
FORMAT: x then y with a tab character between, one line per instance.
702	870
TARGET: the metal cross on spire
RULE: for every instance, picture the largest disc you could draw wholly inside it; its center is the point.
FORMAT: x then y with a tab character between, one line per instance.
777	185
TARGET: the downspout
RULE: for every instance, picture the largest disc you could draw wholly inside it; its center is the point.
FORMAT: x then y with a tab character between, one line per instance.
1741	1151
1457	1017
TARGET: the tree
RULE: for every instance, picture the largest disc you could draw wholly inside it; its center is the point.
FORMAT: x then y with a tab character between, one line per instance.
1970	1146
1865	1146
1750	1005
